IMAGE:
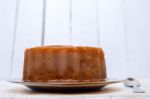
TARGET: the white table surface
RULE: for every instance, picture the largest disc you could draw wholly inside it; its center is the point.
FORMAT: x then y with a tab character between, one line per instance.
114	91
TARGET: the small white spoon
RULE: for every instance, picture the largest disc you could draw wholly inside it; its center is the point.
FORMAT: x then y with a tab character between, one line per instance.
135	84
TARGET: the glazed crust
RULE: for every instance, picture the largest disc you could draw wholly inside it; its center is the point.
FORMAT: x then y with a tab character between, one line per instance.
64	63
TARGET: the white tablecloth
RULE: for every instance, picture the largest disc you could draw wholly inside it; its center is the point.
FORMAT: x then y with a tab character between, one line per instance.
114	91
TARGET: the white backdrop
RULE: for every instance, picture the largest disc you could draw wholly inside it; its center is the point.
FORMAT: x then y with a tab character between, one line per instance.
120	27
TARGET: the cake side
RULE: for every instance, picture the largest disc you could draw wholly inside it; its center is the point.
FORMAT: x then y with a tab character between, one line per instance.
64	63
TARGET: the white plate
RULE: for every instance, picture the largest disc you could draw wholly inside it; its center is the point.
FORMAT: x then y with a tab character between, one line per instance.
66	87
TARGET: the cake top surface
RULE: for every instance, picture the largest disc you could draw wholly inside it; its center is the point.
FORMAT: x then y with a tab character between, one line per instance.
67	48
64	47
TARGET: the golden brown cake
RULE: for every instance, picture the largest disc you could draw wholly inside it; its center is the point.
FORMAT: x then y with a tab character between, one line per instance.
64	63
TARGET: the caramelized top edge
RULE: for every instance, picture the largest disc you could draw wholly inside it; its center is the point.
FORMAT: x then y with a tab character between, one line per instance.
65	47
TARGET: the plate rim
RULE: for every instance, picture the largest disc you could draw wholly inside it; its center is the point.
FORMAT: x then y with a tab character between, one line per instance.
79	84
